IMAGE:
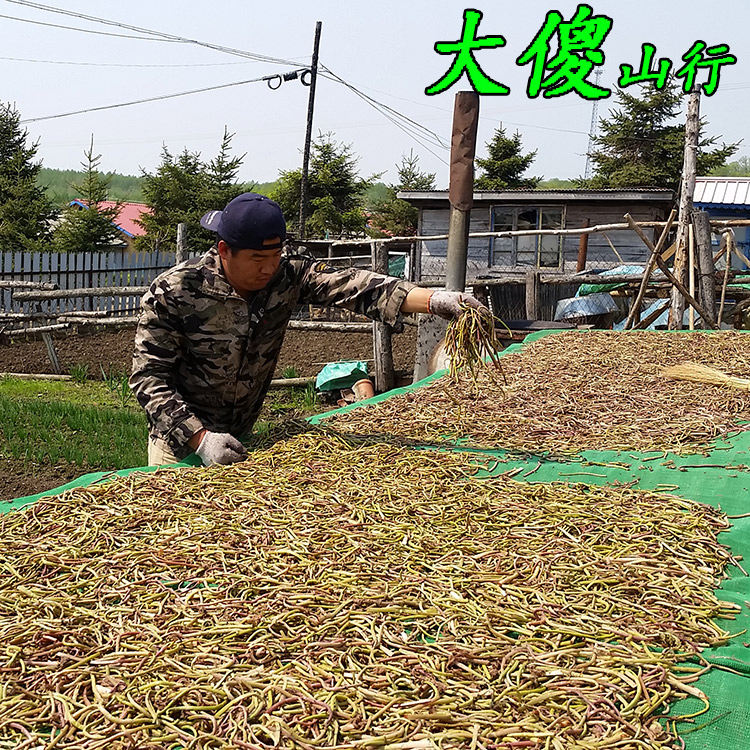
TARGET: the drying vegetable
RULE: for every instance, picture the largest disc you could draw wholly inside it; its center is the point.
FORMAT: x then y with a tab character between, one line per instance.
324	595
471	344
575	391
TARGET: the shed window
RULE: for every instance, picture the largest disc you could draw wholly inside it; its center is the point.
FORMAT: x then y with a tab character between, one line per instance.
544	251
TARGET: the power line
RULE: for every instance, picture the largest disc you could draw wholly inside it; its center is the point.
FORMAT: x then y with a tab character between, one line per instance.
85	31
144	101
122	65
418	132
161	34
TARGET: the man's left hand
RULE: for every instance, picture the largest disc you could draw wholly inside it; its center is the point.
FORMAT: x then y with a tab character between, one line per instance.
448	304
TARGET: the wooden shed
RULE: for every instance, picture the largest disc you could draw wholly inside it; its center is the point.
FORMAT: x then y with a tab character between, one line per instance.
537	209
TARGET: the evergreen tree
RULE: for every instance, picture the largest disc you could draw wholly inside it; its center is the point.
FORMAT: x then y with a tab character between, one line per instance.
336	203
637	147
395	217
92	229
26	214
738	168
182	189
505	164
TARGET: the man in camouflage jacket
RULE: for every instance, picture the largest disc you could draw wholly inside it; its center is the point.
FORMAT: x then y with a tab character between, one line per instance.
211	328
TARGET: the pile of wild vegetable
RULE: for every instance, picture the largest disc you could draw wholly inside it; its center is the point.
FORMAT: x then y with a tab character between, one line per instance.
323	595
593	390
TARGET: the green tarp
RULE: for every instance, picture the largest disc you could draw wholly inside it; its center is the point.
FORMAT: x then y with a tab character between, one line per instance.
722	479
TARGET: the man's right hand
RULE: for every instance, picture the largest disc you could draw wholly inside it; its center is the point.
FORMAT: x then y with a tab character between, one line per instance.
220	448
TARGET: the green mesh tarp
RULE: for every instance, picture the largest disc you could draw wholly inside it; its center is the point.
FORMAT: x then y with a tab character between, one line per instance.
721	479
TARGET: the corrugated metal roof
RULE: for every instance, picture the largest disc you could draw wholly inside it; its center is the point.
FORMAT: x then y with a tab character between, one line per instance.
126	220
722	191
569	194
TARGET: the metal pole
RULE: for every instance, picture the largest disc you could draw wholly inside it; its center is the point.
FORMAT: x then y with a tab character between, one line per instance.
461	190
308	134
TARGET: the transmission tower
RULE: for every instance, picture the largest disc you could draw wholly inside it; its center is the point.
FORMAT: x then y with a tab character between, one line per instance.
592	127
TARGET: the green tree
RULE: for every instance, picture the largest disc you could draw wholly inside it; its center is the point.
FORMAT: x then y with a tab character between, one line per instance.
336	203
182	189
505	164
637	147
395	217
91	229
738	168
26	214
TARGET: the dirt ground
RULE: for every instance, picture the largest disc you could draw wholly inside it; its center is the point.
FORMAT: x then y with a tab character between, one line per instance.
306	351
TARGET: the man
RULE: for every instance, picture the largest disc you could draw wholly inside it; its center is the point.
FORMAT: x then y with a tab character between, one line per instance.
211	328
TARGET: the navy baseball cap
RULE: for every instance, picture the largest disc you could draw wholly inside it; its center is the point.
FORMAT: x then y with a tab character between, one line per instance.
247	221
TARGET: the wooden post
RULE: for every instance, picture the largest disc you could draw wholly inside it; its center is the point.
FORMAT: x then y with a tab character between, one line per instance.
533	290
706	267
382	345
181	243
583	249
692	128
691	275
461	188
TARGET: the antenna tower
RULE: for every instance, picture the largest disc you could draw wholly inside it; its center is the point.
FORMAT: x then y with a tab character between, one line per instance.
592	127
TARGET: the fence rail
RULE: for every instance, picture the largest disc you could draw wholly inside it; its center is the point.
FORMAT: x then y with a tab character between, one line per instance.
68	271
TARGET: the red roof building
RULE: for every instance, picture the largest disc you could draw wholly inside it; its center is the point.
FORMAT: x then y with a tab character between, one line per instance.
129	212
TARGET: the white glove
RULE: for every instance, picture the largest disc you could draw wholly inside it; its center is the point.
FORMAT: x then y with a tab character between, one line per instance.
220	448
448	304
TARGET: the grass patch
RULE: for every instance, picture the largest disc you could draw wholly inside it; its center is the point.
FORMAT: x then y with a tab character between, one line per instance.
97	426
80	424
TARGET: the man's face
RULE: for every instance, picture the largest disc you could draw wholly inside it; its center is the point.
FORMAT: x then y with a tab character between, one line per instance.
249	270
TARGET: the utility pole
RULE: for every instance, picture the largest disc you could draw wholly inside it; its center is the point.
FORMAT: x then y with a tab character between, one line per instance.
684	219
308	134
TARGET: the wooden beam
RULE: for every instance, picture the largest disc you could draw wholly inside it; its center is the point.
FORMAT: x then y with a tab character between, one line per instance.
105	291
670	276
635	310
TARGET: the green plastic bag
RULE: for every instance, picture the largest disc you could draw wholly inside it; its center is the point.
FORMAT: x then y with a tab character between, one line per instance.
337	375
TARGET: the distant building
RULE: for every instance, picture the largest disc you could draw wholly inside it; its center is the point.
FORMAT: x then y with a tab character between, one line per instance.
726	198
126	221
496	211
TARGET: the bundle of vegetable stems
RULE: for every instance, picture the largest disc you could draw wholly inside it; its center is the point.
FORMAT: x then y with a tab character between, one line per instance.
326	594
470	341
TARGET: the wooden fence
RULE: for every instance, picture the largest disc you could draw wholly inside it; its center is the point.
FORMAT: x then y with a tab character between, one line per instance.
116	268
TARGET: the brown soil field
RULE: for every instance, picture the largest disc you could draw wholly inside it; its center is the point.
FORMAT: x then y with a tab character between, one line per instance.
307	351
111	351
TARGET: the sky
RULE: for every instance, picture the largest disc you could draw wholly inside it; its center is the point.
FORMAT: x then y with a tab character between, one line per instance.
383	50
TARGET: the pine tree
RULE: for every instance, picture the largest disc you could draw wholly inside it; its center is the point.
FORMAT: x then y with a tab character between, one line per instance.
505	164
395	217
92	229
182	189
336	191
26	214
637	147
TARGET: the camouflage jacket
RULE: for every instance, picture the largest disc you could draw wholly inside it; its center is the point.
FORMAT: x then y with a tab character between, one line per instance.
204	356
